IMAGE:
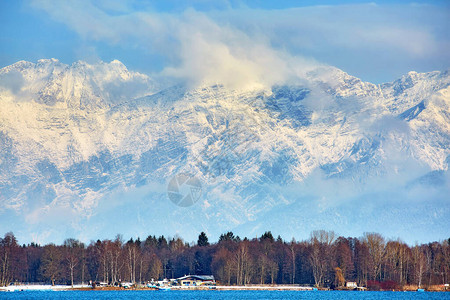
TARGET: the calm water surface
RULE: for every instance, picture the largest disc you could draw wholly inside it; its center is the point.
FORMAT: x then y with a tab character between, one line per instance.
213	295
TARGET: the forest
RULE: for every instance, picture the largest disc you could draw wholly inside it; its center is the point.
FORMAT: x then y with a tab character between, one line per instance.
322	260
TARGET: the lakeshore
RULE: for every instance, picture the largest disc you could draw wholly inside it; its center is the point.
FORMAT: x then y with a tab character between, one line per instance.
185	294
79	287
15	288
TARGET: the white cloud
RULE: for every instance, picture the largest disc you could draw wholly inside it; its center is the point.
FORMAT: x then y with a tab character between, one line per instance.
200	50
251	46
12	81
211	54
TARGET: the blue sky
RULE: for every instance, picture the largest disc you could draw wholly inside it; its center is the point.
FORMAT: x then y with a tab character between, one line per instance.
376	41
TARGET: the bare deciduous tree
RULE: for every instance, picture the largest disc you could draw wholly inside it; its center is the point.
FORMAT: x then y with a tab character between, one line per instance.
51	263
375	243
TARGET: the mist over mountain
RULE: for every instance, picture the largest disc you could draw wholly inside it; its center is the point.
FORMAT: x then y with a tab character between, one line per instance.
84	145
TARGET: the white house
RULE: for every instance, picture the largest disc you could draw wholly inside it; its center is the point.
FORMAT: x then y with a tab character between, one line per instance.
196	280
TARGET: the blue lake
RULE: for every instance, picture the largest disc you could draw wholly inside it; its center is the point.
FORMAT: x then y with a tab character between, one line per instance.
213	295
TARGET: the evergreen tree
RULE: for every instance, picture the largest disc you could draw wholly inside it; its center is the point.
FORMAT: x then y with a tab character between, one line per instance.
267	236
202	240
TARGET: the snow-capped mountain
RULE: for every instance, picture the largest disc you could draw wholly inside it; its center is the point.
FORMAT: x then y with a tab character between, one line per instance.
86	145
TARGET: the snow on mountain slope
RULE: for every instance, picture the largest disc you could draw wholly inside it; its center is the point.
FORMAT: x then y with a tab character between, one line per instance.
85	140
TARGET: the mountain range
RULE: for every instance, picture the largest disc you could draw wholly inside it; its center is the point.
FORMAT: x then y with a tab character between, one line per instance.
91	150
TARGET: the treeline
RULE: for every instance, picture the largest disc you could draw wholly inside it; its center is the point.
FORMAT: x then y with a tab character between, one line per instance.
323	260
